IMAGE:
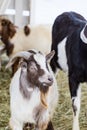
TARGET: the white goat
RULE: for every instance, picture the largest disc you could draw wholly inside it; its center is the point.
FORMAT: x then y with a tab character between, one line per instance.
33	91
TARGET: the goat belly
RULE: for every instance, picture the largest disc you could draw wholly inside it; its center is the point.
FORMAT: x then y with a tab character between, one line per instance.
22	108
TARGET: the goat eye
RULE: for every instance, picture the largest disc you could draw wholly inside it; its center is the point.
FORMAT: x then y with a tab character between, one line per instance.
3	22
32	67
24	64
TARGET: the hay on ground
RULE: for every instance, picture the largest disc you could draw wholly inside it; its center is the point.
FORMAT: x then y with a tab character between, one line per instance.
63	116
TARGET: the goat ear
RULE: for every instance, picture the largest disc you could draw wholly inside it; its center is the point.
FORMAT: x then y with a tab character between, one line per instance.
50	56
16	62
23	64
85	31
83	34
26	30
10	63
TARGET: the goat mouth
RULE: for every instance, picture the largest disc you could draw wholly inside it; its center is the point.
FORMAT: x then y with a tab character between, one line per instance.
45	87
47	84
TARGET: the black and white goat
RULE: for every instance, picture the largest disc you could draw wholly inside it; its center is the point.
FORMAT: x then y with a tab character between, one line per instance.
33	91
69	40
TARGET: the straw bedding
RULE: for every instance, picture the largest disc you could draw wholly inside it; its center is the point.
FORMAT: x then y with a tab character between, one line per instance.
62	119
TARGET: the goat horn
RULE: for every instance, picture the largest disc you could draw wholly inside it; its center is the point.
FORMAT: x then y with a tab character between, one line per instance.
22	54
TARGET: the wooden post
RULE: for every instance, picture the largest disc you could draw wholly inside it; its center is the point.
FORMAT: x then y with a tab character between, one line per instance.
3	6
19	11
32	12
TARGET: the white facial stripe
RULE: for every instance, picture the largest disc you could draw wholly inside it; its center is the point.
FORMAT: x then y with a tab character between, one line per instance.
82	36
62	59
40	59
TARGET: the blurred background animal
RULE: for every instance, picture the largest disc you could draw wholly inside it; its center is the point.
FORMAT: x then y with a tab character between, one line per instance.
29	37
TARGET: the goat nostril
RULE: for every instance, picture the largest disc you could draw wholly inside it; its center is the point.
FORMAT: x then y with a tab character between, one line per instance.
50	79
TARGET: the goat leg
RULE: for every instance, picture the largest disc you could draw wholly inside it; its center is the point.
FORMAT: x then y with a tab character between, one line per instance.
50	126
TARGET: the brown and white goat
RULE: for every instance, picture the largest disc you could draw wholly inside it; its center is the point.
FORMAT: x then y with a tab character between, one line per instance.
17	39
33	91
22	39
